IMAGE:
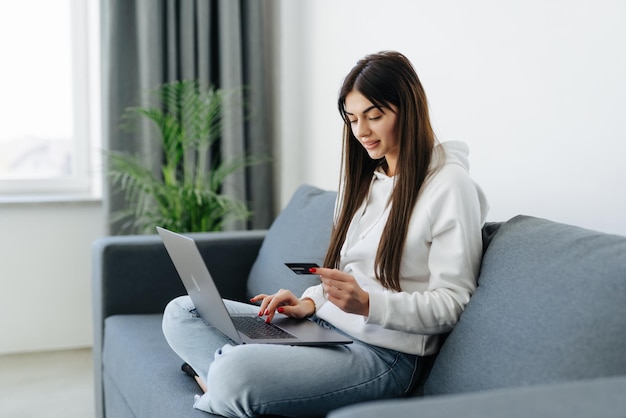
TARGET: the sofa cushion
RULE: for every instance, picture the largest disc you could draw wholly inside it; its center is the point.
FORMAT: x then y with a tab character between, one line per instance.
550	307
141	373
300	234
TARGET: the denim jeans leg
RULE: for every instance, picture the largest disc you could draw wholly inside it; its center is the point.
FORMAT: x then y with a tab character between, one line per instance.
251	380
257	379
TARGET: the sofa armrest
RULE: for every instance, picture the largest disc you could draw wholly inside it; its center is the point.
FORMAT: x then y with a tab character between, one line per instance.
598	398
134	274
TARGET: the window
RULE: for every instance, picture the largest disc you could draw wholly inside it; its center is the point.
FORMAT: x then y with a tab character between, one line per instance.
50	98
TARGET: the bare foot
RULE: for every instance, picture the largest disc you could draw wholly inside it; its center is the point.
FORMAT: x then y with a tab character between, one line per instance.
200	383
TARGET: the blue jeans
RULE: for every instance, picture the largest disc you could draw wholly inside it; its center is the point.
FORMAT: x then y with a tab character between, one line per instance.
259	379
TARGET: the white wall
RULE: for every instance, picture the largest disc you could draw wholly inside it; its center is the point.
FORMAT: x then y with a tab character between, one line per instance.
45	275
536	88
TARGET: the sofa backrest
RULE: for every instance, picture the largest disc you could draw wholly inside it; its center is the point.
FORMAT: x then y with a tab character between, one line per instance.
550	306
300	234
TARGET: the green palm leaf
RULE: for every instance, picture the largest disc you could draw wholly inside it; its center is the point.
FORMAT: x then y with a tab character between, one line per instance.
186	195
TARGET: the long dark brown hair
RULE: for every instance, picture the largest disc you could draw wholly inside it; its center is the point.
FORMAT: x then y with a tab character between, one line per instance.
386	78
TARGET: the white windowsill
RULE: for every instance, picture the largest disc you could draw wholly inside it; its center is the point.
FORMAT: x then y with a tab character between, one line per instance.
49	199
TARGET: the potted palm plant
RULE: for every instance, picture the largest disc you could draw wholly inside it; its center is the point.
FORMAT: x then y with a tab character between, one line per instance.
185	195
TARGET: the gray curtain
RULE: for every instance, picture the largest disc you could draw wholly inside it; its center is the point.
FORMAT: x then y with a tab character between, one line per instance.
223	42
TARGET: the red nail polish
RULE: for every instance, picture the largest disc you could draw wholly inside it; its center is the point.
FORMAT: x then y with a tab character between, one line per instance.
312	269
281	310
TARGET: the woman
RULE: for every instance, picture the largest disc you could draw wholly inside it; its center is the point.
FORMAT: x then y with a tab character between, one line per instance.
400	268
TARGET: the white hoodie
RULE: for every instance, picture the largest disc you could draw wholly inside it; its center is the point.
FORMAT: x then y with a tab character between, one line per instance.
440	263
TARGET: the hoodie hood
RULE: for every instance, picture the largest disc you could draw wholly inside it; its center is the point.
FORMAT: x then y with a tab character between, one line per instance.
451	152
456	152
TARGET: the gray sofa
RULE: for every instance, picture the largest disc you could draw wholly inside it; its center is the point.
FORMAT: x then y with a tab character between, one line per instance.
543	336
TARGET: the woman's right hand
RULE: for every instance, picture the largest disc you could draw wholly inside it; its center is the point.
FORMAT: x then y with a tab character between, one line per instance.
284	302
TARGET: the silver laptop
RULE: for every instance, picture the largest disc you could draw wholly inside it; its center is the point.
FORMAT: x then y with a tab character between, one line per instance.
241	328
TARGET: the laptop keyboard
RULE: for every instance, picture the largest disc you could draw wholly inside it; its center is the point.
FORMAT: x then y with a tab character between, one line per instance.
255	327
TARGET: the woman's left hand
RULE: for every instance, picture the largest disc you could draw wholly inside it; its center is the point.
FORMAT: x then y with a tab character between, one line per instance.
343	291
